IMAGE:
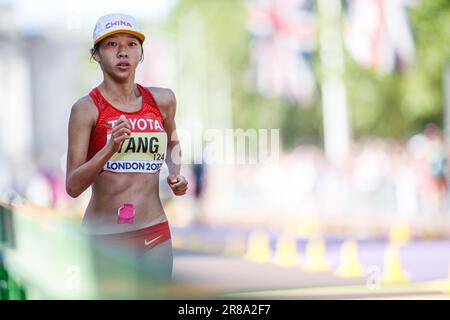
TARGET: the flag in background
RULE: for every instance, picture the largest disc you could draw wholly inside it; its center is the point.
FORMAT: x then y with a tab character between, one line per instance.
400	32
283	37
378	34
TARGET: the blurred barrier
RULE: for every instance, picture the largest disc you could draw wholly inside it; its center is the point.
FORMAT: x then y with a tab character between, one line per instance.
9	286
6	227
45	257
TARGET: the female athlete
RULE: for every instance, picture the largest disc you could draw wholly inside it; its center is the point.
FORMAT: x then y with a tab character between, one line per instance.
120	134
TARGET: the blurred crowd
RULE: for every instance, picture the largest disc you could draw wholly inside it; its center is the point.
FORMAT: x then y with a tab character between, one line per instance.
381	179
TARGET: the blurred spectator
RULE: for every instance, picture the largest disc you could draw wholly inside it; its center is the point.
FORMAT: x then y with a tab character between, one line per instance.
199	174
437	159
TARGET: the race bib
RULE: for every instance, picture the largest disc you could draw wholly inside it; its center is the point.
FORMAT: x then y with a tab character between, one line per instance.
143	152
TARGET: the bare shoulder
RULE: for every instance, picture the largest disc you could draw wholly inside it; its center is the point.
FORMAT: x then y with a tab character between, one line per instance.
165	98
85	109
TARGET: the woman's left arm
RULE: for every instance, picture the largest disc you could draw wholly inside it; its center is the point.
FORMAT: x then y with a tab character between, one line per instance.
176	181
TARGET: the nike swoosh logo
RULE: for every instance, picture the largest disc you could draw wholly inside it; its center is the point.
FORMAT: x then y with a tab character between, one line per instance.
147	243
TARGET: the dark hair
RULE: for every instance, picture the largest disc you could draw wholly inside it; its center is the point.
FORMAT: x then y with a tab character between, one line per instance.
97	46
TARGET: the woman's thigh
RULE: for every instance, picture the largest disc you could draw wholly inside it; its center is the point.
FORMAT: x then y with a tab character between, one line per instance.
158	261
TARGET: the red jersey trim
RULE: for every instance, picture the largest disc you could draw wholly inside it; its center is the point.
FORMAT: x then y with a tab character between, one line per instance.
141	89
149	104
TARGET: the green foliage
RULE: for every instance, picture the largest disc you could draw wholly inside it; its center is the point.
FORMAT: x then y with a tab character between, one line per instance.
227	41
392	106
400	104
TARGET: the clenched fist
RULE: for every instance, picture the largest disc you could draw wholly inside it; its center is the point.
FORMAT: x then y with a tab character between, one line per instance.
120	132
178	184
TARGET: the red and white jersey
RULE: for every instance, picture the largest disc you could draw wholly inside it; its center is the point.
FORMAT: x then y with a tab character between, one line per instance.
145	150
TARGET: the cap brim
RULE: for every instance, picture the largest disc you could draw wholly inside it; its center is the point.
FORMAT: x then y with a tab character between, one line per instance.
132	32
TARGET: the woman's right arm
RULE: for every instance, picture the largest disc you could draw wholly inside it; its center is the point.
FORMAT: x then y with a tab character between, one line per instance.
80	173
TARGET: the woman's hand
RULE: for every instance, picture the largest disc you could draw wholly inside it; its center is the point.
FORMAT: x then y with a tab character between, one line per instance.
178	184
120	132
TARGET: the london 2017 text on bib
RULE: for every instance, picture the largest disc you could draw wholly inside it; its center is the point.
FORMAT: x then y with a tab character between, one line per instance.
144	151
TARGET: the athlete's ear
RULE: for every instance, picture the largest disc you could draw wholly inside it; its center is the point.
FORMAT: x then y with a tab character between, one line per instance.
95	55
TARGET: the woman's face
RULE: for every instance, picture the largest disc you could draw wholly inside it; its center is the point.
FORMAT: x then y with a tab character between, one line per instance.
119	55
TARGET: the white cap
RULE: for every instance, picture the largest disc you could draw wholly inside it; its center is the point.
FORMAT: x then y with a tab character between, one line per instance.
116	23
